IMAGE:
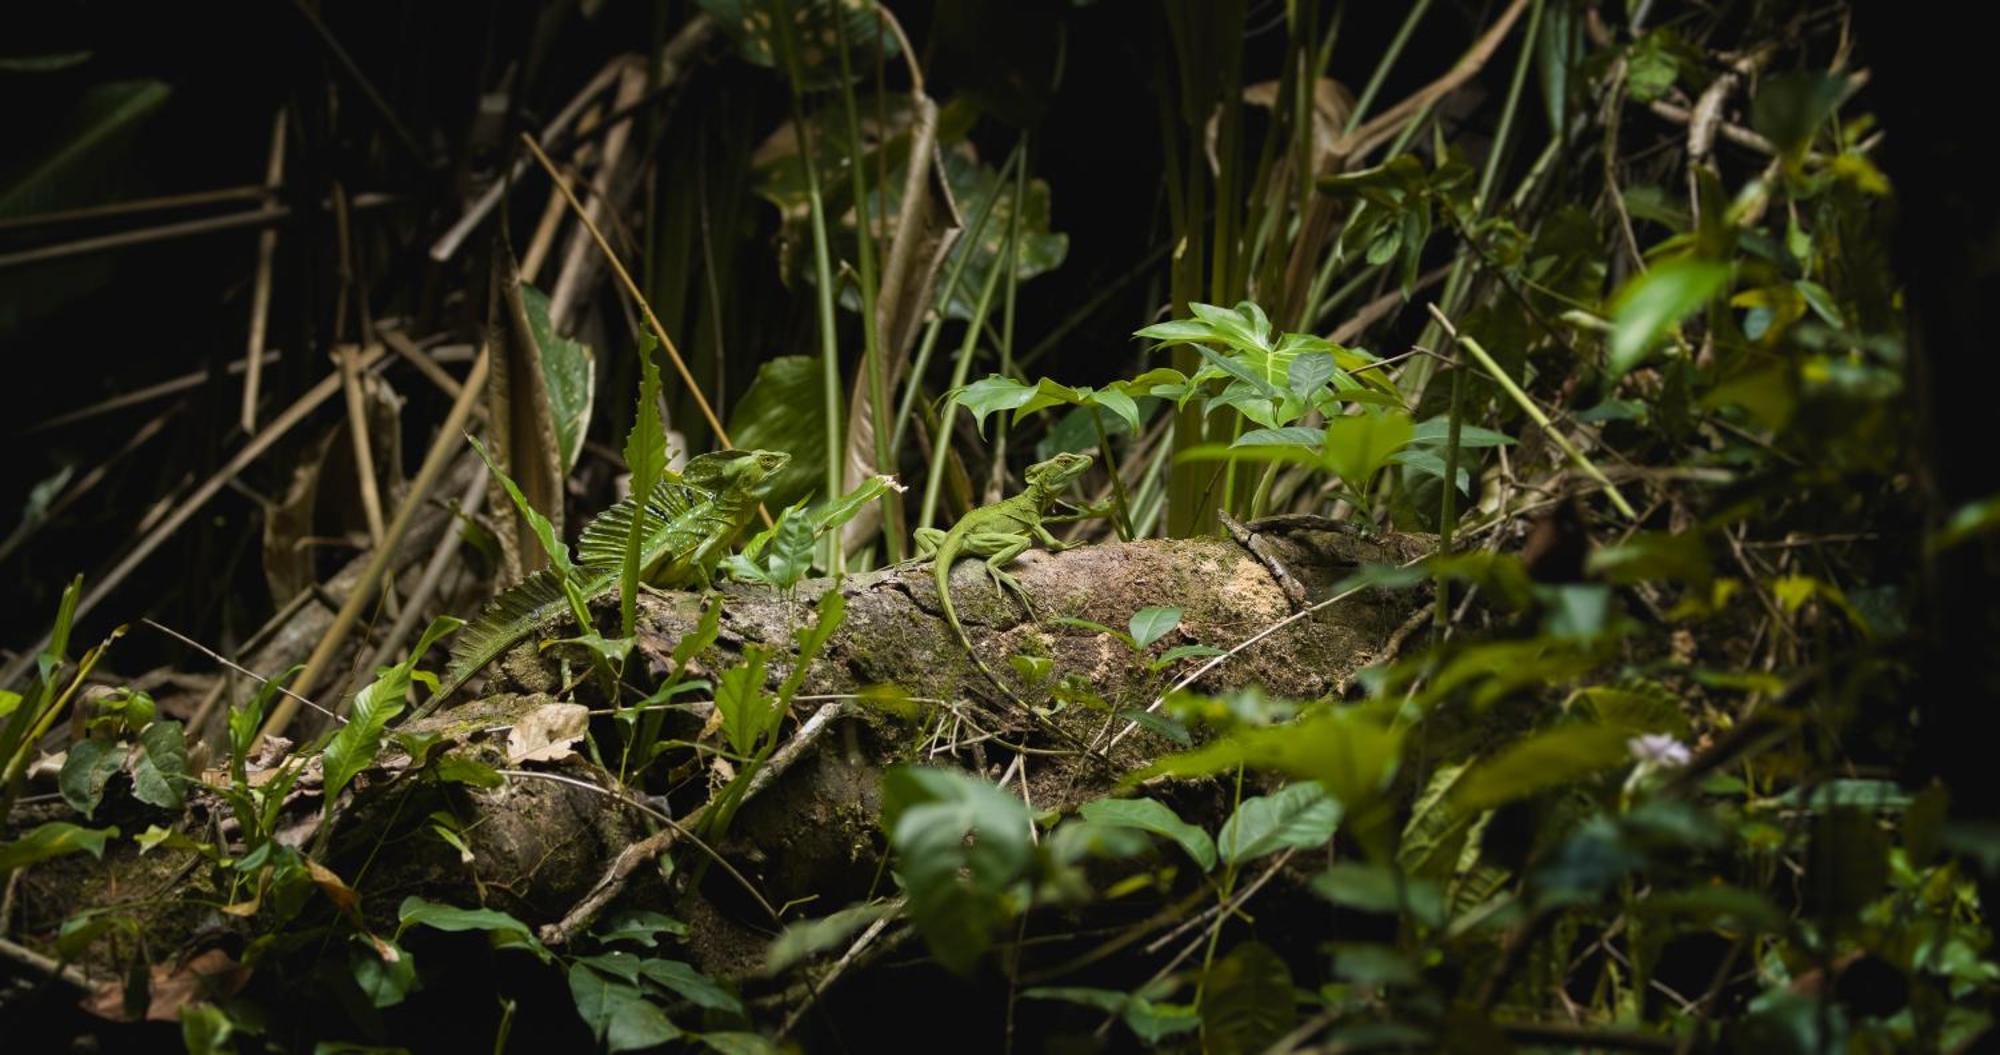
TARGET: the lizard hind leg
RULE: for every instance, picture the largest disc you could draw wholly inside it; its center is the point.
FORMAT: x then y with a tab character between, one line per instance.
927	539
1001	550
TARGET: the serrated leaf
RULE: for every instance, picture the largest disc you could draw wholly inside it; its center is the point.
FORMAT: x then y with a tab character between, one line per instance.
646	458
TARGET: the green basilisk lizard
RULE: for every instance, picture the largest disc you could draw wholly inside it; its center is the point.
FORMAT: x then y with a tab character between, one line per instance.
1000	532
691	521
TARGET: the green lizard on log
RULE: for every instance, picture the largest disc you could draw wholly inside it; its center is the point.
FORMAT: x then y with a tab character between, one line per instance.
691	522
1000	532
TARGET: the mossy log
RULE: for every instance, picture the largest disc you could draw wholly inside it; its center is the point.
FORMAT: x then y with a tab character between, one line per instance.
539	848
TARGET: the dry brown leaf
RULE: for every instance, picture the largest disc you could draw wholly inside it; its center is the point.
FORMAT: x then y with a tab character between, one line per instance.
210	977
547	733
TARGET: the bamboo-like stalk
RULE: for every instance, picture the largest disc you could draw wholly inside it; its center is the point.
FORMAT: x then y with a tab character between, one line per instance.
1535	412
258	444
260	292
450	436
832	556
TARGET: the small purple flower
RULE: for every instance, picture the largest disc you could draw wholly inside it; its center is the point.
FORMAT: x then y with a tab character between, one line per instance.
1659	749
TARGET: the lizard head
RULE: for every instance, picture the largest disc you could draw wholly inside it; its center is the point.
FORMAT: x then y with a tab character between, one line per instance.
734	470
1051	476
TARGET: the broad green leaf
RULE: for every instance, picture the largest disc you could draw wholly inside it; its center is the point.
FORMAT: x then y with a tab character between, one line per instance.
569	375
1352	750
455	768
639	926
1427	461
1968	522
808	938
1300	815
1246	1001
829	516
1153	622
1652	303
737	1042
690	984
784	410
1153	816
386	973
1159	724
160	766
86	768
1289	436
1790	107
1307	371
53	839
617	1011
1359	444
743	702
1437	430
1541	761
1148	1020
81	931
505	929
957	890
1376	888
818	28
1676	556
207	1030
990	394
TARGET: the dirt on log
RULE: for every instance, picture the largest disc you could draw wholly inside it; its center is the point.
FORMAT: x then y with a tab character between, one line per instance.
559	843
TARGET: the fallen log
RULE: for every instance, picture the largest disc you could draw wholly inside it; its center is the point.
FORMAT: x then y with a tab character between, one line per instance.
555	841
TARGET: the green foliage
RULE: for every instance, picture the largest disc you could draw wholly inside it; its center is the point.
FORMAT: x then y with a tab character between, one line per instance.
962	850
355	746
1152	816
53	839
569	376
1301	816
646	457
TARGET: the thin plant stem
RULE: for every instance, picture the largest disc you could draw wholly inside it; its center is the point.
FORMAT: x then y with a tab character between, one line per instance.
941	437
1124	520
829	337
1535	412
